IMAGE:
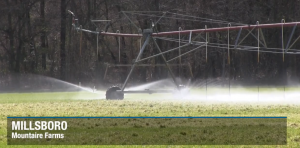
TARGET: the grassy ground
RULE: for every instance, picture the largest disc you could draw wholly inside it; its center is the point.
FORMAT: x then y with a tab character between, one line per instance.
73	104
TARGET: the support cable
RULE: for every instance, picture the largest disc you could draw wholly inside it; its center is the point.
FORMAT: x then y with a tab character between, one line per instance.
119	43
282	41
185	53
181	17
257	23
246	36
130	21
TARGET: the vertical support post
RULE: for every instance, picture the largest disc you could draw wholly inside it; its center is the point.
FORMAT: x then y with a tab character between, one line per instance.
190	68
107	65
119	43
228	47
205	44
97	42
282	41
206	80
80	39
257	23
137	58
141	42
205	62
190	38
283	51
179	52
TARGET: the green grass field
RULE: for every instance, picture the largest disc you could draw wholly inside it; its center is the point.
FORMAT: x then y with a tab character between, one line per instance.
82	104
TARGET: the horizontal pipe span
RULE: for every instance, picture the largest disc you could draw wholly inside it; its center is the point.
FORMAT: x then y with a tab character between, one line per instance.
120	34
275	25
89	31
147	91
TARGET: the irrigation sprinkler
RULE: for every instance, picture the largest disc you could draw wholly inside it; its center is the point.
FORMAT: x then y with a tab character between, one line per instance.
193	43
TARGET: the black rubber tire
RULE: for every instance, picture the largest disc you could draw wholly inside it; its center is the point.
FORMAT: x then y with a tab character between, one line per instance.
113	94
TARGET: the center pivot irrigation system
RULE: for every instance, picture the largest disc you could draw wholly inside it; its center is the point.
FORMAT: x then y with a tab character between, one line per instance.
196	39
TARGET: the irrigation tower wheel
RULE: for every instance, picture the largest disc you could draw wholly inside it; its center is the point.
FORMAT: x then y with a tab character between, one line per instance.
113	94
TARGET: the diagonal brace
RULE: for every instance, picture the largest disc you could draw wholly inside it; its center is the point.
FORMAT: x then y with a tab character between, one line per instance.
136	60
163	52
237	38
164	58
186	53
291	36
164	14
131	21
294	42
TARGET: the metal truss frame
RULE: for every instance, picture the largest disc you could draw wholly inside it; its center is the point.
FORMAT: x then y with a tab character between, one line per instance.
150	35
